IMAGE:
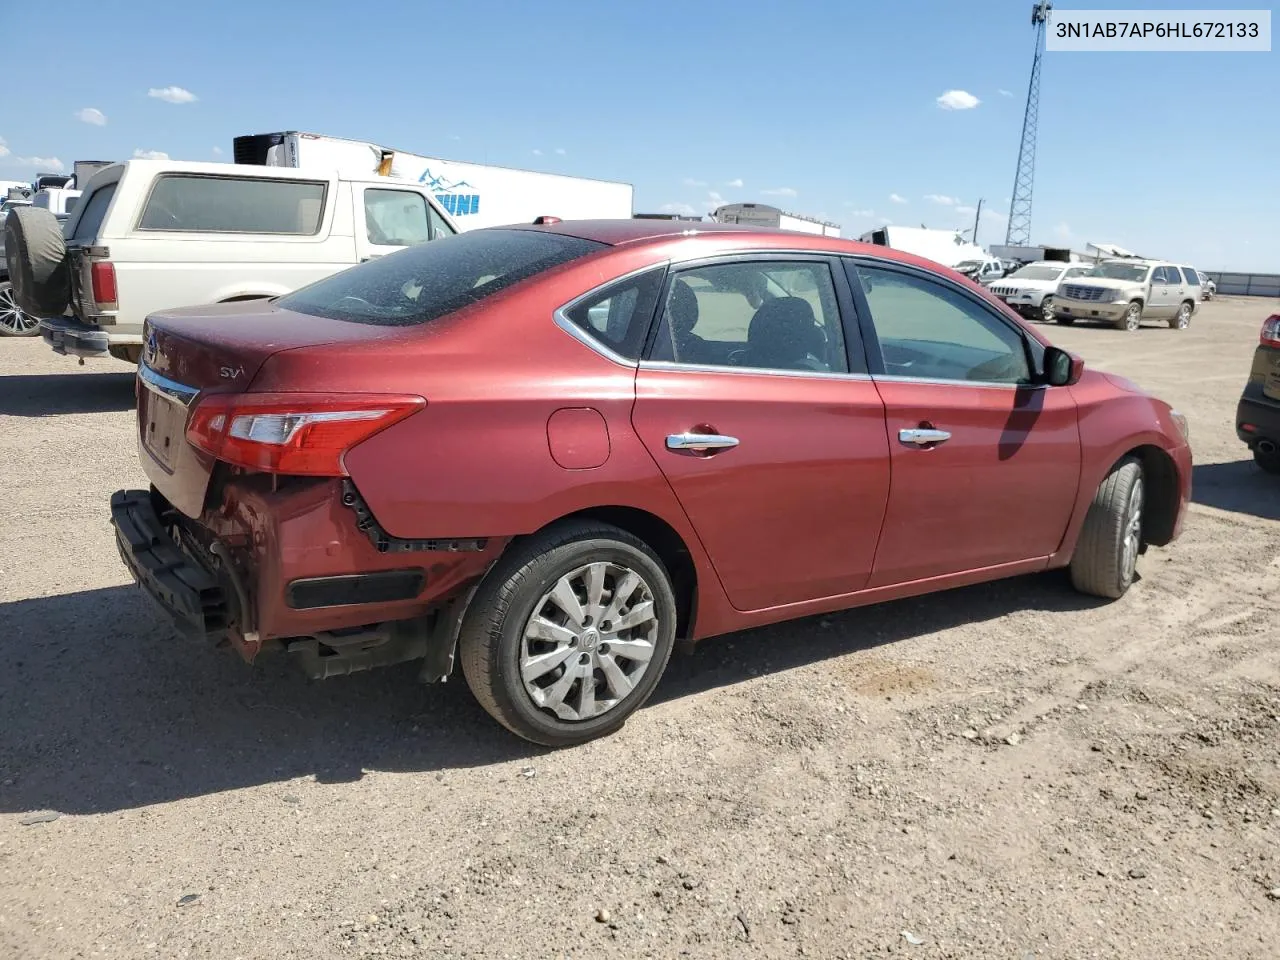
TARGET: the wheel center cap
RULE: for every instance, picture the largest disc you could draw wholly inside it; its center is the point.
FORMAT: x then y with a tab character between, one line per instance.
590	639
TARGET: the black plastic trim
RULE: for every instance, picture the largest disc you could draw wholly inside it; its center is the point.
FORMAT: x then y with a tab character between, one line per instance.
383	586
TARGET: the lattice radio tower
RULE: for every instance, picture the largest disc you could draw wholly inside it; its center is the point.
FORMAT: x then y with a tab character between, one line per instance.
1019	232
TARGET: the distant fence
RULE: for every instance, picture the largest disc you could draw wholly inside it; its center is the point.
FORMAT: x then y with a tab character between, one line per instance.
1247	284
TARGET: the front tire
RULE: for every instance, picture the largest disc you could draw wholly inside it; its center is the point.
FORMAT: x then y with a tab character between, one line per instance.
1047	313
1182	319
14	321
569	633
1132	318
1105	561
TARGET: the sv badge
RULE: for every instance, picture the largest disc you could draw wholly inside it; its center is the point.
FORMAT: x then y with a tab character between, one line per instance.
230	373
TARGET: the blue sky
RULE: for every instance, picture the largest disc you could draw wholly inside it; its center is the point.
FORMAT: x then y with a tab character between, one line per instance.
825	108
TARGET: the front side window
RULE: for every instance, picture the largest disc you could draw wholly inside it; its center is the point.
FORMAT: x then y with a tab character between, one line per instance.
396	218
930	331
427	281
189	202
766	315
618	316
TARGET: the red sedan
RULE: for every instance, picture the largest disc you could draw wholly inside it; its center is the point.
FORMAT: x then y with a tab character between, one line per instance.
556	450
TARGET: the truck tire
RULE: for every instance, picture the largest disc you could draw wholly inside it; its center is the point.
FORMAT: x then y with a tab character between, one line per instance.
39	268
1182	319
1132	319
1106	555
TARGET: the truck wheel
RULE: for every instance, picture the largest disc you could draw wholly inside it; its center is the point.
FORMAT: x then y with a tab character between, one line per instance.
13	322
1047	313
568	634
37	259
1106	555
1182	319
1132	318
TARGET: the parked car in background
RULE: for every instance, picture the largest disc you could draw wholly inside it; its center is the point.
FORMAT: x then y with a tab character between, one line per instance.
1208	289
1258	414
149	234
1124	292
982	271
558	449
1030	289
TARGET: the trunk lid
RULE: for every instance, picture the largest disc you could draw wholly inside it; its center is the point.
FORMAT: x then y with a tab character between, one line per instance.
190	352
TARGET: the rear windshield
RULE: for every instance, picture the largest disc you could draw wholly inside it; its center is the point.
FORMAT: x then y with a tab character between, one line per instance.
421	283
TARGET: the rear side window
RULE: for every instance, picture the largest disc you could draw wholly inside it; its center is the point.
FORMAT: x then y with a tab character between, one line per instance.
1192	278
180	202
94	212
618	316
428	281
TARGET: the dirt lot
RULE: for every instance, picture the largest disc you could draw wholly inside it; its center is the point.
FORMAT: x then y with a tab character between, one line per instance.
1004	771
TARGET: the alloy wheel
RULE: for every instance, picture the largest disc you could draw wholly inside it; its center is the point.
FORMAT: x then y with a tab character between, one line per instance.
1132	543
1133	317
13	321
1184	316
1046	310
589	641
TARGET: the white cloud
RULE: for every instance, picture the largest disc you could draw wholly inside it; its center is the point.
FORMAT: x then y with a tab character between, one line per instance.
140	154
537	152
217	151
690	182
714	199
735	183
171	94
781	192
92	115
50	164
963	208
4	149
1005	93
860	213
897	199
994	214
454	136
942	199
1062	231
560	151
958	100
682	209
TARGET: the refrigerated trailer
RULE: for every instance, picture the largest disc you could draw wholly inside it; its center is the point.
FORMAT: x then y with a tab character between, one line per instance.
763	215
475	194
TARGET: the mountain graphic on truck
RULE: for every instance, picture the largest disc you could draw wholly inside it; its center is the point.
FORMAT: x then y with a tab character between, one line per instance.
450	195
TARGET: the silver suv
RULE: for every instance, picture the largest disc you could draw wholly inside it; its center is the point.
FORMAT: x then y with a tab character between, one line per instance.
1127	291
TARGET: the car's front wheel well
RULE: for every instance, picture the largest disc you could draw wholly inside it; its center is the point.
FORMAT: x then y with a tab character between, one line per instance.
1160	474
663	540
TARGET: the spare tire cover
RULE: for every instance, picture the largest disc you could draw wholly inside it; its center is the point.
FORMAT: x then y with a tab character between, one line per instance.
39	267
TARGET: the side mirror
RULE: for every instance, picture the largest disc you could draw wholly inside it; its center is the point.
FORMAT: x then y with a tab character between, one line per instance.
1062	369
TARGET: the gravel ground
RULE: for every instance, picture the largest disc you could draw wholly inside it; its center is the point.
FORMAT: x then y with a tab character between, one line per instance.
1009	770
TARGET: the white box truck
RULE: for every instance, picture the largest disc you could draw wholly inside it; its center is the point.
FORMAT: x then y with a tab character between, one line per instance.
947	247
476	195
763	215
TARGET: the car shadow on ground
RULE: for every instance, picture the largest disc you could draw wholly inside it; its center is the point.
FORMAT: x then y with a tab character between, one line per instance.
1240	487
44	394
102	708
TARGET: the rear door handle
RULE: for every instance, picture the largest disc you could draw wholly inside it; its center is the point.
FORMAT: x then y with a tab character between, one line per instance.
700	442
922	437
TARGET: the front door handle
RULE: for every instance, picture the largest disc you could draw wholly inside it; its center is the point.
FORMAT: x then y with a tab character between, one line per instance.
923	437
700	442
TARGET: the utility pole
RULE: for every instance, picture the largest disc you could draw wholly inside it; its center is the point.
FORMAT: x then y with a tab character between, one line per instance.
976	218
1019	232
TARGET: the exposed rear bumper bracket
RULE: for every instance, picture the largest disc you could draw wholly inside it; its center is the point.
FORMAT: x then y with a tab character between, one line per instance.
389	544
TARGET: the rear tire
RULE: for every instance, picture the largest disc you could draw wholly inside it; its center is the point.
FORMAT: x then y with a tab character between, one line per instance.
1182	319
1132	318
1065	321
1106	556
1267	462
535	636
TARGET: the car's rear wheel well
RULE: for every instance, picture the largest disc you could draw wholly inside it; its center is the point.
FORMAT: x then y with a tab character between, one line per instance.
1160	475
666	543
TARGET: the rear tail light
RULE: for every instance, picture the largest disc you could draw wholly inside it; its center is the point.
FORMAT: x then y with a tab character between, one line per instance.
1270	336
103	274
298	434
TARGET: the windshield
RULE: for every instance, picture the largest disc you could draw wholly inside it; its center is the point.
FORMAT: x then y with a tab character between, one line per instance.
424	282
1037	272
1130	272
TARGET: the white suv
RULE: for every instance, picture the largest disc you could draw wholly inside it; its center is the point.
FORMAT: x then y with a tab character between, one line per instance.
1030	289
152	234
1124	292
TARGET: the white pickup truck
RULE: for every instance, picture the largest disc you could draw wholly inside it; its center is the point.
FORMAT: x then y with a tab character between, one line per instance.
152	234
